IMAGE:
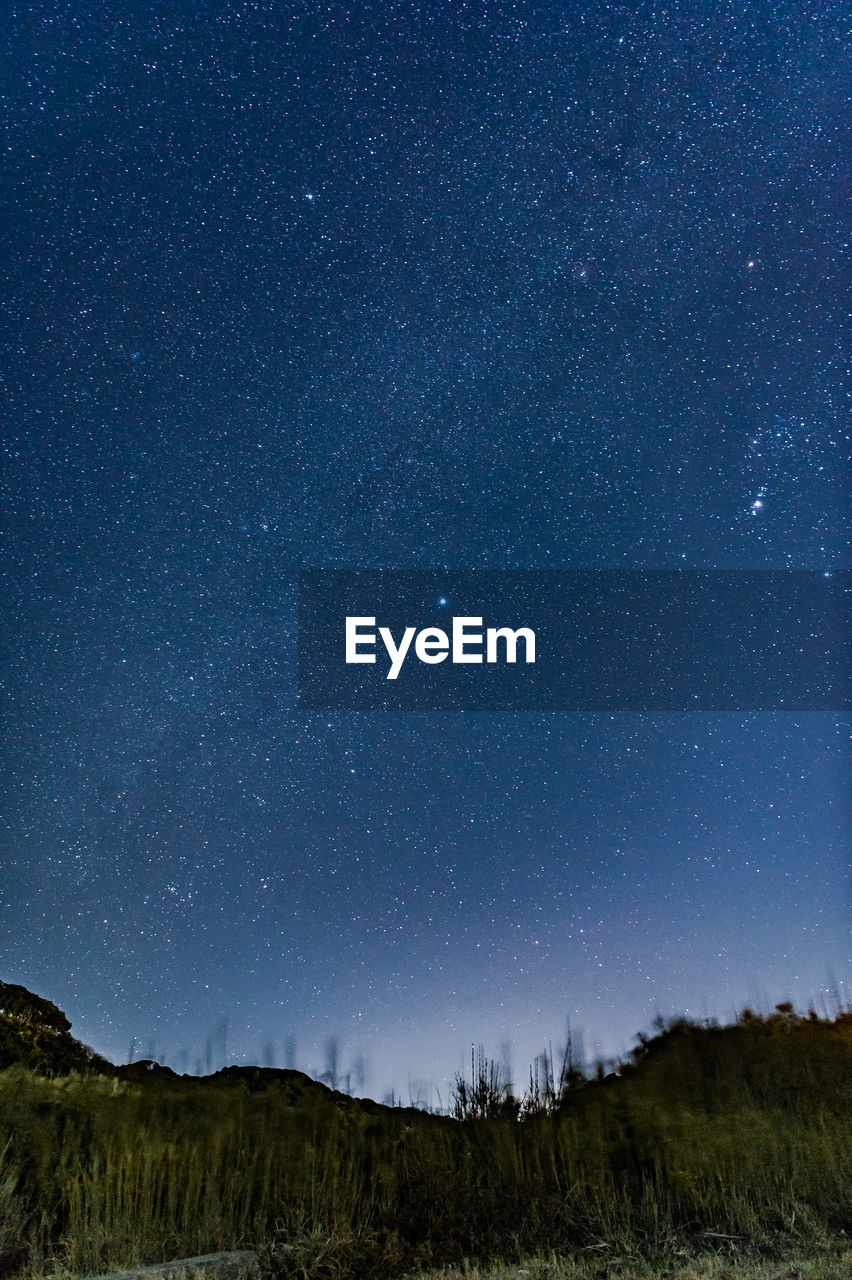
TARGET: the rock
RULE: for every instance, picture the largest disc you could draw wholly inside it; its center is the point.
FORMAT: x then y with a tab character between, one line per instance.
240	1264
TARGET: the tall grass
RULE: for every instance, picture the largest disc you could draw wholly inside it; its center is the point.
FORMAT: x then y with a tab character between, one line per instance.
741	1136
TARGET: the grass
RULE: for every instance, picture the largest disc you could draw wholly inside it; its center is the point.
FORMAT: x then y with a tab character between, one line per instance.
719	1148
827	1263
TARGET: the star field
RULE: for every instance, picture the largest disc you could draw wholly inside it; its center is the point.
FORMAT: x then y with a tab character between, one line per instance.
411	285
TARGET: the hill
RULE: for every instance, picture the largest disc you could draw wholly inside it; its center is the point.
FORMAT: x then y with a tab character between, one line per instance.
735	1137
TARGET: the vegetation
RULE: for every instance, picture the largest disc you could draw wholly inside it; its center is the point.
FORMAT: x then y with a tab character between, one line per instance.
733	1140
822	1263
35	1033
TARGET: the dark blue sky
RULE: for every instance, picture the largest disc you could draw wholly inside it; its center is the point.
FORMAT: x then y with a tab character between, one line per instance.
414	285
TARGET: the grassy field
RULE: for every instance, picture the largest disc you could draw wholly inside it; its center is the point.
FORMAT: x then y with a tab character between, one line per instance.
828	1263
726	1145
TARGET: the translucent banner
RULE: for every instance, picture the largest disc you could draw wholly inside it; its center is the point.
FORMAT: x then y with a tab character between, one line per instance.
574	641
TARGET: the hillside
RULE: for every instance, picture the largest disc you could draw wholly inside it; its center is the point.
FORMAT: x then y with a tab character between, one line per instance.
735	1138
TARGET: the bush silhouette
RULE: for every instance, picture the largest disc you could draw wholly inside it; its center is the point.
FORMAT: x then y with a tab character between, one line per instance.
708	1133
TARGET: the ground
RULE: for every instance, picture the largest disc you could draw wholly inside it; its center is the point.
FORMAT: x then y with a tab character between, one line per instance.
832	1263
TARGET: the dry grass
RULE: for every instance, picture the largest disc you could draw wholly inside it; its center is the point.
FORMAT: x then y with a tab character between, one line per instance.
732	1143
831	1262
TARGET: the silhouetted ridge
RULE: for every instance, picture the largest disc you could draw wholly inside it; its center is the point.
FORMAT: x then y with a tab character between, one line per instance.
708	1134
35	1033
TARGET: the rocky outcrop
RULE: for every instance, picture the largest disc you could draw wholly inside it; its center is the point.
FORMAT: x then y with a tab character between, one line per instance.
240	1264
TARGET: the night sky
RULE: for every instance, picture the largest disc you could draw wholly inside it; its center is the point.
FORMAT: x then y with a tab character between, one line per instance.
408	285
